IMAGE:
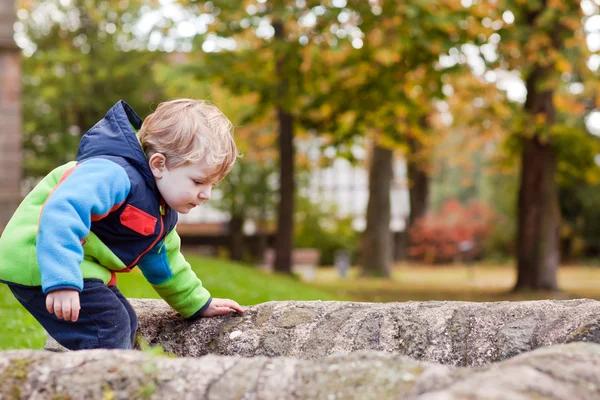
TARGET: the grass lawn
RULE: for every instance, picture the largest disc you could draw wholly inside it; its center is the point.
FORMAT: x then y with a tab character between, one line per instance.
478	282
224	279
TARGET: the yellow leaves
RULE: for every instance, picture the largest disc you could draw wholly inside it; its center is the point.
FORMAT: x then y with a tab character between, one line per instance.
403	149
436	46
326	110
400	110
313	114
392	23
574	42
540	119
264	141
401	126
26	4
450	29
563	65
466	182
387	142
386	56
559	5
375	37
571	22
324	86
307	61
302	160
537	47
592	177
568	104
451	5
332	56
348	118
354	80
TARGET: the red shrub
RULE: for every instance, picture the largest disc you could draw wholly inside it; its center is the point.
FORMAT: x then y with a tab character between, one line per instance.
456	232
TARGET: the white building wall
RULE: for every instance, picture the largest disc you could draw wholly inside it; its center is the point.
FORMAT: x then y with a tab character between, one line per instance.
343	184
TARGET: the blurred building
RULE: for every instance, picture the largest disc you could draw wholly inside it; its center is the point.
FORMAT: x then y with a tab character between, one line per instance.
10	114
341	184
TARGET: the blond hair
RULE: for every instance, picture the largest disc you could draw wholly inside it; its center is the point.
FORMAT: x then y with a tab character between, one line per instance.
188	131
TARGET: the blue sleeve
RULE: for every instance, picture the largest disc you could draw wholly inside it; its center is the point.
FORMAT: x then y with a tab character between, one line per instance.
93	188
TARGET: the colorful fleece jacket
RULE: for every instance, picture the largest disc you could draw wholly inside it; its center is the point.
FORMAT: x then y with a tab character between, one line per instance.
99	215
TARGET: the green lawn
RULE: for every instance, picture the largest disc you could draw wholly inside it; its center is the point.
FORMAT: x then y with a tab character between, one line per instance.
244	284
478	282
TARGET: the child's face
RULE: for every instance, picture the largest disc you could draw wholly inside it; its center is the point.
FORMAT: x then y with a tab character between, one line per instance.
184	187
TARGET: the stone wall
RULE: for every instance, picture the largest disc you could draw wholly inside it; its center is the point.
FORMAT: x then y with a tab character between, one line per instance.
10	114
563	372
334	350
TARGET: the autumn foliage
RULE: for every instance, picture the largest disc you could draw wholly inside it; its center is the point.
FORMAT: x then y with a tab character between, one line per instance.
455	232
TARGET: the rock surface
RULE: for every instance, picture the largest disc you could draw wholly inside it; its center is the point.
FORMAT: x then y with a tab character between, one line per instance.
559	372
451	333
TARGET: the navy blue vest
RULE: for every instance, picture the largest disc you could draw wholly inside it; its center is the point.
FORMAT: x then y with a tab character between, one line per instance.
138	224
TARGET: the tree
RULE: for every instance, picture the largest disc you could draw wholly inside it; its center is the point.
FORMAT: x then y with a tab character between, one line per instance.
394	78
544	43
10	111
472	158
80	59
269	44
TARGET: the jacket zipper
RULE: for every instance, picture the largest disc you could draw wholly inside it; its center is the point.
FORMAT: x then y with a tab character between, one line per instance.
162	226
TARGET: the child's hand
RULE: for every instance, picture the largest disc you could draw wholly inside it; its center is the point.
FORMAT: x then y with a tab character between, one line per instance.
221	307
64	304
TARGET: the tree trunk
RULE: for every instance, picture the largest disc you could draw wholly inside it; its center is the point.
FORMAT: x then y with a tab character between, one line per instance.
538	208
377	238
418	194
285	220
236	238
10	115
418	179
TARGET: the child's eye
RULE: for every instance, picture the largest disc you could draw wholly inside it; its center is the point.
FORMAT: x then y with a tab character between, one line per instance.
200	183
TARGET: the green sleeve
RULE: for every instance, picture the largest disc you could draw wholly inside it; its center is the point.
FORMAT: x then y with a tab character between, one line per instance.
183	290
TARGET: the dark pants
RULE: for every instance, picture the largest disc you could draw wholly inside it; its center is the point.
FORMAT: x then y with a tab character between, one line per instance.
106	319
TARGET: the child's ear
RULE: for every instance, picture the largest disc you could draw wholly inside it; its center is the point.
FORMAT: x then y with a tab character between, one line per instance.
157	163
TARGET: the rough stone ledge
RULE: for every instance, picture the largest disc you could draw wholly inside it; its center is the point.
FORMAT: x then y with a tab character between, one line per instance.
562	372
450	333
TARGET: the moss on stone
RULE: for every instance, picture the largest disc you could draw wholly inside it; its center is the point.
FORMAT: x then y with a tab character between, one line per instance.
581	332
147	390
294	317
13	377
262	316
108	393
60	396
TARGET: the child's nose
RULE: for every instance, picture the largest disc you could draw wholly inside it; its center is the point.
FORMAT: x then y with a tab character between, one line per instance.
205	193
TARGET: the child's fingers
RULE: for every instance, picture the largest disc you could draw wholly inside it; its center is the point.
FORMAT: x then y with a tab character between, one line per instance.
66	310
58	308
223	310
50	304
75	310
233	305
